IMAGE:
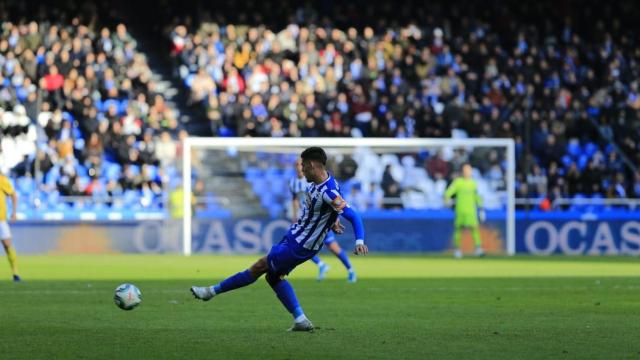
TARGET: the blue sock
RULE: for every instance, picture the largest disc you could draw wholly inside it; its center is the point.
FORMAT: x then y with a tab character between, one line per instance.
316	259
288	298
233	282
345	259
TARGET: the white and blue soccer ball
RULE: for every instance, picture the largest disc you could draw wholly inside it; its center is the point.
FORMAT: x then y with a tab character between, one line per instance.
127	296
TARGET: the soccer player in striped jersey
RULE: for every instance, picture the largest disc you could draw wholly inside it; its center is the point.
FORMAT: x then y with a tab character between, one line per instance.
323	205
298	187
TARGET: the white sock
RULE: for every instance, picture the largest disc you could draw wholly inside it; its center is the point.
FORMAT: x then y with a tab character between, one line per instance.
321	264
301	318
212	289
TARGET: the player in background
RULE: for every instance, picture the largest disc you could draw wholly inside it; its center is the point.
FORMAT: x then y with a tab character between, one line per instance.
468	202
6	190
323	205
298	187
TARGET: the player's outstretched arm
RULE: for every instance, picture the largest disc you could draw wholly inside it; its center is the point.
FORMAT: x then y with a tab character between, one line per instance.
450	191
358	228
14	200
294	208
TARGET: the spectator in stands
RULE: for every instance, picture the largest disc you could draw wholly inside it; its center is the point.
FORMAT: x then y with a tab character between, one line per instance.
437	166
81	88
406	81
537	182
375	196
636	186
325	79
165	149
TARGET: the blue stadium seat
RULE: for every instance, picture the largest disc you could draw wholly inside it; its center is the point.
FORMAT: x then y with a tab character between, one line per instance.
78	144
172	172
278	185
226	132
188	81
259	187
275	210
25	185
578	207
152	171
110	102
84	181
109	156
77	134
598	204
267	200
273	173
252	172
68	116
97	206
590	149
53	197
609	149
117	205
23	206
289	173
135	170
81	170
112	171
573	149
79	205
99	105
583	160
59	206
130	197
123	105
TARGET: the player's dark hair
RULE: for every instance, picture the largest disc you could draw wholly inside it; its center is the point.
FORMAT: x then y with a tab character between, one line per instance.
314	153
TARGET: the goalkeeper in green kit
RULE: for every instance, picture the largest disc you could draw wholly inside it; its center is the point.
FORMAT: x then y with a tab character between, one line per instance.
468	201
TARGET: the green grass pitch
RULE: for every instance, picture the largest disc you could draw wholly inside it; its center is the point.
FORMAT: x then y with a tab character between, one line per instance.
403	307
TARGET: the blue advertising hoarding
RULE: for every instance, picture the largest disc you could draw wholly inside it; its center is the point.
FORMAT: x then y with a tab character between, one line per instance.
537	233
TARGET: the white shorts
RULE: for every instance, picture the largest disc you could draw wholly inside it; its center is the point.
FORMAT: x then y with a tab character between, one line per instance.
5	233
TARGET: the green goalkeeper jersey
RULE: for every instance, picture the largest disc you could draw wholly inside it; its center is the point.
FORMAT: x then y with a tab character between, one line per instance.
466	193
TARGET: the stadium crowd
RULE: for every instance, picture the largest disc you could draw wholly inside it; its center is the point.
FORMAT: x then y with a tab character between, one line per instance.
456	75
80	103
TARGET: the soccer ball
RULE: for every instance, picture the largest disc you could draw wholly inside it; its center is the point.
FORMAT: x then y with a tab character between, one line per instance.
127	297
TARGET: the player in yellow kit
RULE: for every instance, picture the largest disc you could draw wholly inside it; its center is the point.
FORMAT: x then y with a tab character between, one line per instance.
468	201
6	190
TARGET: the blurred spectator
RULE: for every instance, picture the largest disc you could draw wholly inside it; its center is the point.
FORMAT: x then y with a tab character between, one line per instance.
86	90
537	182
406	79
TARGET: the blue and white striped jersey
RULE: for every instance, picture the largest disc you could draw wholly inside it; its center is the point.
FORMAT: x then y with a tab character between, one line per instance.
298	187
323	203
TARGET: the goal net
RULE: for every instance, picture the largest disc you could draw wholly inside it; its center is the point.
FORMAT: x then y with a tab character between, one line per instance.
236	196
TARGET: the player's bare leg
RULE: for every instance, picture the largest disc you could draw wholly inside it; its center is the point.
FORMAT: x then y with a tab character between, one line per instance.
12	257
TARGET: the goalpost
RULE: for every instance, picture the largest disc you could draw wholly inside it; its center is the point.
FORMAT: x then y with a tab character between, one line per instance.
385	144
